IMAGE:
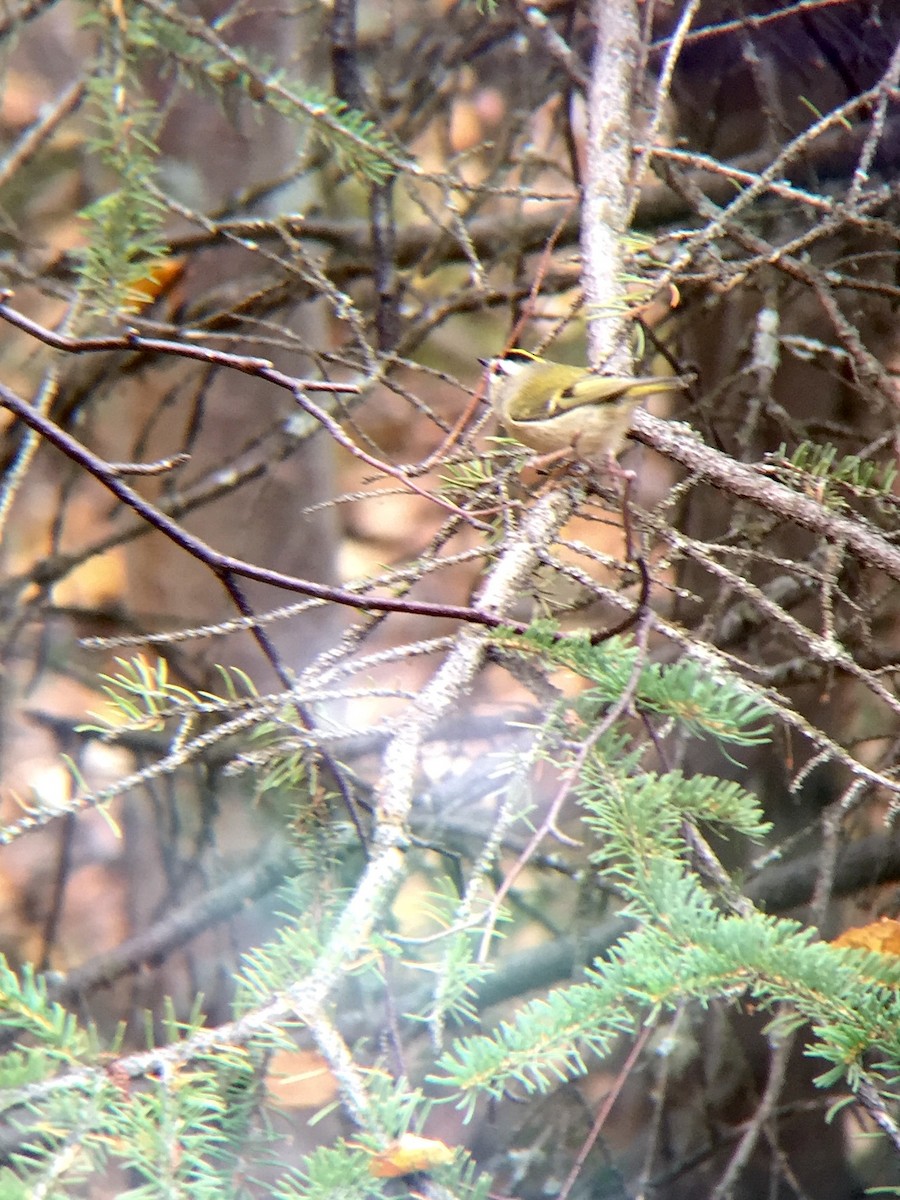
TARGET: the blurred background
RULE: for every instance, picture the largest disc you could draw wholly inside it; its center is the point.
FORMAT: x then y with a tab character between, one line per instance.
191	172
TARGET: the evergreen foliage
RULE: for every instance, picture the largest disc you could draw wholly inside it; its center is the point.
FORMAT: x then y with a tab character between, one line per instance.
685	944
125	240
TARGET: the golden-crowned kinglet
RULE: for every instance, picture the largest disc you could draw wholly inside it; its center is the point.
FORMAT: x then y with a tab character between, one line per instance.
553	407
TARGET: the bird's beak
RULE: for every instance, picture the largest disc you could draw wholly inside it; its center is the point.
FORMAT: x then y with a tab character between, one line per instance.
485	362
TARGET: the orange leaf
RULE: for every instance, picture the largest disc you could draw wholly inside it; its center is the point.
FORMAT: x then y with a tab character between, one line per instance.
407	1154
162	275
300	1079
882	936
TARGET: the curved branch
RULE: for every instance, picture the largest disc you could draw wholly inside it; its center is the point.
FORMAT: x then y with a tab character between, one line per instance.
682	444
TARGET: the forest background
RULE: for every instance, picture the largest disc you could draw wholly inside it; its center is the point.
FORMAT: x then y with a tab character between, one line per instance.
383	815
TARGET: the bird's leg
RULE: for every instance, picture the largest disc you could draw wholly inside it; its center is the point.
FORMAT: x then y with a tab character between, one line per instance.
621	473
552	458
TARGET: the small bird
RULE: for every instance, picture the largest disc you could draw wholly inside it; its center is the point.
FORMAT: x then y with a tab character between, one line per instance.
558	409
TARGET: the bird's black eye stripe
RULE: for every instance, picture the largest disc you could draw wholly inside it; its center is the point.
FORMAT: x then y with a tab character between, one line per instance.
509	364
